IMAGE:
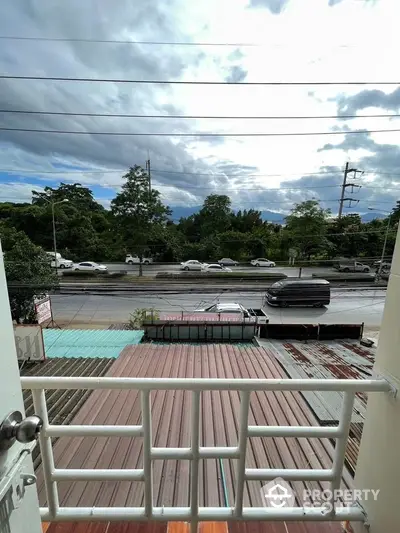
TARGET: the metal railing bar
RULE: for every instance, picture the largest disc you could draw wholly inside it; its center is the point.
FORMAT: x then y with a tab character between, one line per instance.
89	474
182	514
295	474
205	452
194	466
46	450
217	452
93	431
199	384
293	431
147	445
341	444
242	445
171	453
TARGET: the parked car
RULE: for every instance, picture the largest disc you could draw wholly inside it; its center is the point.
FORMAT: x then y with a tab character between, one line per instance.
262	262
135	259
227	261
385	264
352	266
216	268
315	292
90	266
192	264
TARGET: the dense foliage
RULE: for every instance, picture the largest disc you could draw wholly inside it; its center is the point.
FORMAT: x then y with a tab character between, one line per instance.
29	274
138	222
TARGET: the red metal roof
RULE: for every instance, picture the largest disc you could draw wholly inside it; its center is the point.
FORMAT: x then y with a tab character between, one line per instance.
171	427
62	406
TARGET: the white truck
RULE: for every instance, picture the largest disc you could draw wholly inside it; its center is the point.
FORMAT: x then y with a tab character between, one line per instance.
135	260
352	266
59	262
247	314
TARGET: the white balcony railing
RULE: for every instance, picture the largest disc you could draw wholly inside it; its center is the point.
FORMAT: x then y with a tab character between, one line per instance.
195	452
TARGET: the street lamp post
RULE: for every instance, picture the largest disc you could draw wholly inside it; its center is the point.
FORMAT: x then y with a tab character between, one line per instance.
378	274
51	201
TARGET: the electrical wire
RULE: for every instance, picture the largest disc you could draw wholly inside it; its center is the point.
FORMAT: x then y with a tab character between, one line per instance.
196	82
28	171
117	170
201	134
151	43
198	117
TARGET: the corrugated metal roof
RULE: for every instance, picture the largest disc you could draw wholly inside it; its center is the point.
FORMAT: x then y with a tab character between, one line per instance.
171	427
322	352
88	342
325	360
62	406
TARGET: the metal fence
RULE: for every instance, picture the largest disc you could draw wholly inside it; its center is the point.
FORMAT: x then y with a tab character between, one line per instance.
194	513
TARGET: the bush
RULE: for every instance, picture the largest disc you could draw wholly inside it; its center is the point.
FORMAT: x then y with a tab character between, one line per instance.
140	315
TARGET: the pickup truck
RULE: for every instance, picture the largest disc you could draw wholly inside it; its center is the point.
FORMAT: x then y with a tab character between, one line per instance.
352	266
58	261
135	260
231	308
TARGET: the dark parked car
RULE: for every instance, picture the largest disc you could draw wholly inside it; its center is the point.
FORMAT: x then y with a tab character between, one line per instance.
314	292
227	261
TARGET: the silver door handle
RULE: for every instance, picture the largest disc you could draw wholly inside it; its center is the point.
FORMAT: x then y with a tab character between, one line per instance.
15	428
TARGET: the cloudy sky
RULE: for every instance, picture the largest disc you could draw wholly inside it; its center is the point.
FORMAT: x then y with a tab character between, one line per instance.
263	40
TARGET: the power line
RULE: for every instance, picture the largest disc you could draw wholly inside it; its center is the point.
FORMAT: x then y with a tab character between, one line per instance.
29	171
198	117
308	187
200	134
195	82
220	175
152	43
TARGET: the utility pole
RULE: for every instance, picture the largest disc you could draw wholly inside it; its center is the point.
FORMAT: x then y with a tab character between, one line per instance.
347	171
148	170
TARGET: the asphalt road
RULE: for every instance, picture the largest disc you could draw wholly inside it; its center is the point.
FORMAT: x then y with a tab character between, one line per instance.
151	270
347	307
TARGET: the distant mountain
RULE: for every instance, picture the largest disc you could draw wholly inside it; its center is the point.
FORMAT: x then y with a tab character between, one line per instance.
178	212
372	215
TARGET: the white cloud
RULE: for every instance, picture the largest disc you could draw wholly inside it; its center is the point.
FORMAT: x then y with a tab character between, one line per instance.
313	40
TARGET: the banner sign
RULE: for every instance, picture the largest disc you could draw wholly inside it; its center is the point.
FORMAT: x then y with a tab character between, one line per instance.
29	343
43	310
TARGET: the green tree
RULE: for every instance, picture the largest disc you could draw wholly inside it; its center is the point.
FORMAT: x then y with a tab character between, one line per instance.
247	220
215	215
28	273
306	228
75	193
139	214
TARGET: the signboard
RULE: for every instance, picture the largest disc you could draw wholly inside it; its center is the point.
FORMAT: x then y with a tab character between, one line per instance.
29	343
202	317
43	310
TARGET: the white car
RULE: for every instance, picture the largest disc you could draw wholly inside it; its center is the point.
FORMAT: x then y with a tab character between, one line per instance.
135	259
192	264
90	266
216	268
262	262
